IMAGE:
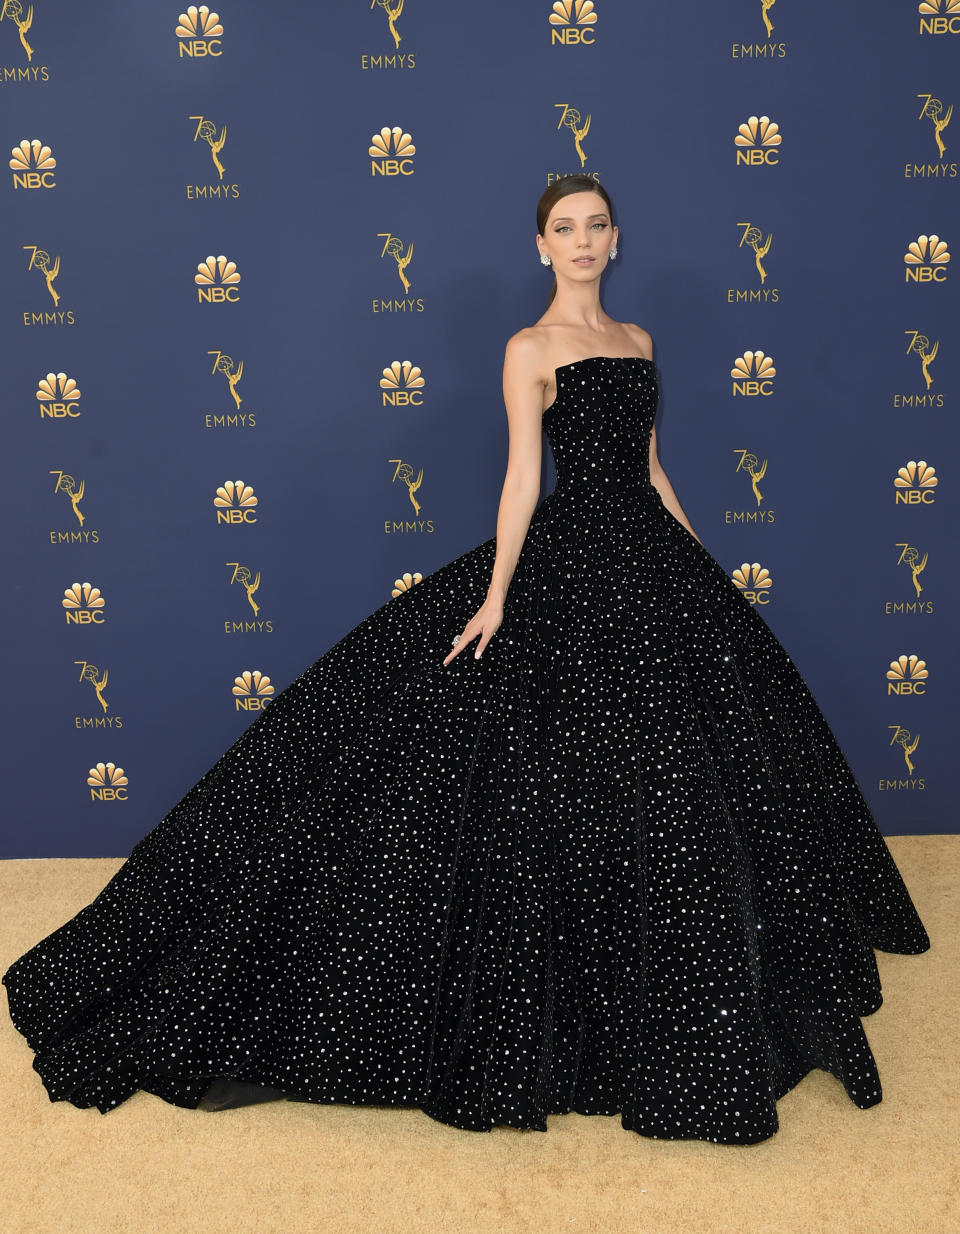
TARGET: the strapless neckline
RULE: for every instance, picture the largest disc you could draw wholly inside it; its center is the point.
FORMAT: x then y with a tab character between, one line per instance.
585	360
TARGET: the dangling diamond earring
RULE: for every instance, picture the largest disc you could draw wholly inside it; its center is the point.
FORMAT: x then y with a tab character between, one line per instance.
544	259
613	252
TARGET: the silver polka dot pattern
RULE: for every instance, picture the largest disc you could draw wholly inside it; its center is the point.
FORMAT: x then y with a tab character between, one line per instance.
616	865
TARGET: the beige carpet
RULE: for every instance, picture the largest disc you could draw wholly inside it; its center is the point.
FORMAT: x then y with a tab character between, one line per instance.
288	1168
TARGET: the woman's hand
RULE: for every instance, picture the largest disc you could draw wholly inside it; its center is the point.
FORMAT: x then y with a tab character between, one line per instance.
484	622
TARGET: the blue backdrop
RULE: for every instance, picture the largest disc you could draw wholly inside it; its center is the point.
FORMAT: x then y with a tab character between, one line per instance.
363	180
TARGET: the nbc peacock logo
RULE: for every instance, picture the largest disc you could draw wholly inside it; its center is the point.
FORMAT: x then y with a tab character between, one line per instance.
59	397
108	782
572	23
391	152
83	605
32	165
235	502
926	260
915	484
939	16
217	279
406	582
753	581
252	690
758	142
907	675
753	375
199	33
401	385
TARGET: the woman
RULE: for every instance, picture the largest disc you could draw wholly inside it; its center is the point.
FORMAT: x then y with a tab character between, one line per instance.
614	862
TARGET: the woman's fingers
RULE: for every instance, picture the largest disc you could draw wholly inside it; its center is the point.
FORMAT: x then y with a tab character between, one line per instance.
465	638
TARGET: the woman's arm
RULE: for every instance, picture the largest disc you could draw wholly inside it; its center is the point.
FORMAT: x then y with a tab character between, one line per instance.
523	396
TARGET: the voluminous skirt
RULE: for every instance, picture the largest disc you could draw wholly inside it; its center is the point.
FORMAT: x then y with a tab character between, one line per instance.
616	865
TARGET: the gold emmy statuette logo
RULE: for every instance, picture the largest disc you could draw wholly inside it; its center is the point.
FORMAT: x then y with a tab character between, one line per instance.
59	396
766	50
753	374
108	782
754	469
920	346
933	110
901	737
939	16
392	10
248	582
83	605
41	260
200	33
754	582
402	385
758	142
32	164
914	484
406	582
907	675
573	21
753	238
235	503
224	364
13	10
252	690
206	131
393	247
570	119
926	260
217	280
749	464
910	557
404	473
89	672
391	152
67	485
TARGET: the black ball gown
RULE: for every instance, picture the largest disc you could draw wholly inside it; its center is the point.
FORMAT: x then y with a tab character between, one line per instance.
617	864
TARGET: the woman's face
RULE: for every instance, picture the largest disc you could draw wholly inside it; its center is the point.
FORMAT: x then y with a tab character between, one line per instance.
578	236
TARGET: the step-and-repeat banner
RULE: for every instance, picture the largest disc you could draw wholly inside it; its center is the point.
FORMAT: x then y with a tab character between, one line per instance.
258	268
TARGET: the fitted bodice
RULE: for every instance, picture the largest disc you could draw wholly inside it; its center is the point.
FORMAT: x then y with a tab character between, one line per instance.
599	424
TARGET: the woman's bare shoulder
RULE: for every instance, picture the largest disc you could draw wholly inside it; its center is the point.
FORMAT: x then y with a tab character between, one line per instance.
526	352
641	337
